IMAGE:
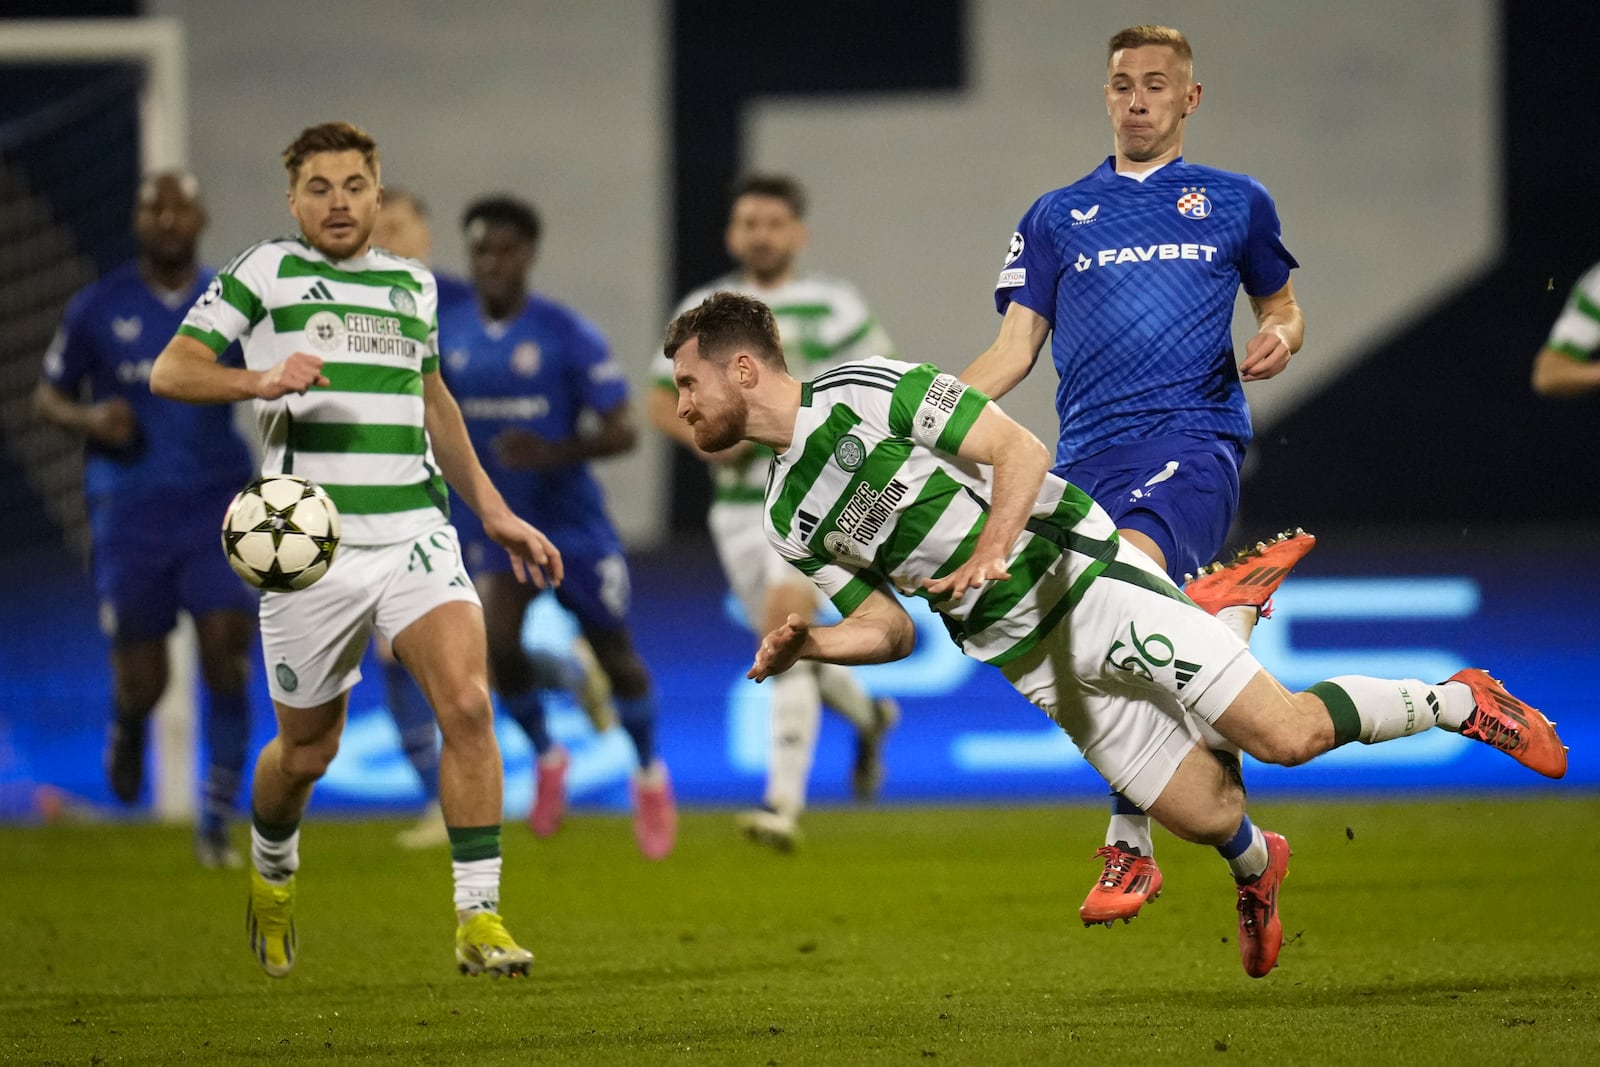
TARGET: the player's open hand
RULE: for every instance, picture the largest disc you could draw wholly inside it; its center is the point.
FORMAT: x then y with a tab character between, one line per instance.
1265	356
978	570
780	649
295	373
533	558
112	422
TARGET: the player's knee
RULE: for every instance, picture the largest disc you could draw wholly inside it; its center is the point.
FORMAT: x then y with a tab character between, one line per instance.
464	711
224	673
136	693
629	679
309	761
1287	744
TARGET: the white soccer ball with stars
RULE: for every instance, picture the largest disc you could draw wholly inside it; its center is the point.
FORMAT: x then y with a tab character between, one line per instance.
280	533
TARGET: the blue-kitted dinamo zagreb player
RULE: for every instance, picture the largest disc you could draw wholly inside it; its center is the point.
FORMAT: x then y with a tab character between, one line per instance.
157	477
1133	272
530	375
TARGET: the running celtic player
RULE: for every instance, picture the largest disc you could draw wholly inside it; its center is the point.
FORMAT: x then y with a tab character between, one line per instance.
341	354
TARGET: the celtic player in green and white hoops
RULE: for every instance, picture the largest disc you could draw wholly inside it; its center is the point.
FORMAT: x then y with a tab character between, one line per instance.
341	356
895	478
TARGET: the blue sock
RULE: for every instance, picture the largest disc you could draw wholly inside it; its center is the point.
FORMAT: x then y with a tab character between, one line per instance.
1121	805
227	735
528	711
413	718
638	715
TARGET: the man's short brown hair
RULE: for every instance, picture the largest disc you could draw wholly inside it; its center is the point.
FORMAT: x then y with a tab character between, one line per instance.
727	322
777	186
1148	34
330	137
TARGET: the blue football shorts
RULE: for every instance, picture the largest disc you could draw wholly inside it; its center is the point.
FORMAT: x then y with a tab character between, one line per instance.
152	560
595	586
1180	491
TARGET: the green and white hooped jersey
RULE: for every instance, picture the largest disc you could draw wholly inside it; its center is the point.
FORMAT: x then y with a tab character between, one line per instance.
871	493
374	320
823	322
1576	332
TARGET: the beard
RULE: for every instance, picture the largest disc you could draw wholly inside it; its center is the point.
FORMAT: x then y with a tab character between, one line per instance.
713	433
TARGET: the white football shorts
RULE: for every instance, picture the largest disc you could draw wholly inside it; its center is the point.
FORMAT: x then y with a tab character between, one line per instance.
314	638
1125	670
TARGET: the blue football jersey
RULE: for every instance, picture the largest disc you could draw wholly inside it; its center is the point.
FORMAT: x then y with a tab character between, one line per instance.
1138	280
111	334
540	372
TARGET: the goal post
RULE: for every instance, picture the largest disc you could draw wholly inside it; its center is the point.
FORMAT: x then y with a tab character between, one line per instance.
157	44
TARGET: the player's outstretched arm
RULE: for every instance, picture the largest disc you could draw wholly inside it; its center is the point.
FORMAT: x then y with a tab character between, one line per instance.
877	631
1006	362
187	370
533	557
1280	331
1020	461
1557	374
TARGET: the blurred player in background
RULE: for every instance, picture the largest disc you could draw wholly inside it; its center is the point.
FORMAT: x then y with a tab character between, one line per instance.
403	227
925	488
1567	364
341	354
542	398
1132	272
157	477
824	321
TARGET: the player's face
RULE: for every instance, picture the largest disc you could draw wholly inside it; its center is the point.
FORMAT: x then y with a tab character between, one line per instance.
1148	95
500	257
402	230
708	399
335	200
169	218
764	237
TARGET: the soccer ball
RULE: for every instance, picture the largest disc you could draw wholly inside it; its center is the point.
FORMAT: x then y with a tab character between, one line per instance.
280	533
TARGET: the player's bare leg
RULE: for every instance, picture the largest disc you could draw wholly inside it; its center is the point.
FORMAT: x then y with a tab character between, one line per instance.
447	652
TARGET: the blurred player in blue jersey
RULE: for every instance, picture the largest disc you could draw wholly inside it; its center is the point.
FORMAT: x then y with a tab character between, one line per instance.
158	475
1133	271
403	227
542	397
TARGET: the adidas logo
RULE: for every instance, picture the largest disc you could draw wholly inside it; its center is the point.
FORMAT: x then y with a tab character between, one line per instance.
807	523
319	291
1185	672
1264	576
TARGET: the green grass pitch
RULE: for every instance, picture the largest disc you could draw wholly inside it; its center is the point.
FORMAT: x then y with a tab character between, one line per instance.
1417	932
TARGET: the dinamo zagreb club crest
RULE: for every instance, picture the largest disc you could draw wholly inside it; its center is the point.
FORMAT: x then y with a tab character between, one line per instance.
1194	204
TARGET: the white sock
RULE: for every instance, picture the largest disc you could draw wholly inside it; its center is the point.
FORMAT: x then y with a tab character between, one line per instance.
1131	830
275	860
477	885
796	719
1240	619
1386	707
843	692
1456	703
1250	863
